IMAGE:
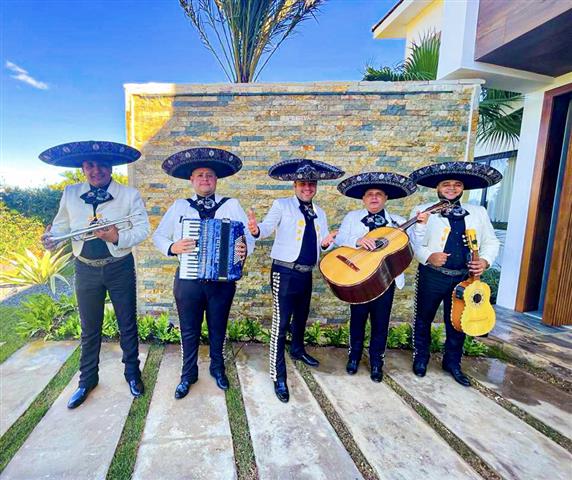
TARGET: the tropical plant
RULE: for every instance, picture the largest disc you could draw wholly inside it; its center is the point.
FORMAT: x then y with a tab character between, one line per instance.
500	114
313	334
491	277
400	336
41	315
243	35
474	347
337	336
70	328
30	269
77	176
437	338
109	328
164	330
145	326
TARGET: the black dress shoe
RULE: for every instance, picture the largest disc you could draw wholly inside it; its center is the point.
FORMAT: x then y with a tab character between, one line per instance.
377	373
419	368
352	367
79	396
221	380
136	387
458	375
281	391
307	359
183	388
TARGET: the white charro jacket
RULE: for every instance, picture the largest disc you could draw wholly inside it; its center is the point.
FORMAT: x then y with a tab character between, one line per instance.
287	220
352	229
431	237
75	214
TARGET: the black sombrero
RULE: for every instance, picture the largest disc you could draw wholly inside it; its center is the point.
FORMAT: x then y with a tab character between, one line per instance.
182	164
75	153
305	170
474	175
393	184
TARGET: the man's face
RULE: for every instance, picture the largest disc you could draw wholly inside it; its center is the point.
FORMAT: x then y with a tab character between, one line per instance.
203	181
450	189
374	200
304	190
97	173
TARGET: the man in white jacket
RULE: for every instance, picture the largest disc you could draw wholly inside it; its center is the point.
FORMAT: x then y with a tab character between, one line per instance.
444	258
374	189
199	298
104	264
301	234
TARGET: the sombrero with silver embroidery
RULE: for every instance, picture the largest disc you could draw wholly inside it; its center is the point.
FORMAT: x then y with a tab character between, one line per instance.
73	154
305	170
182	164
474	175
393	184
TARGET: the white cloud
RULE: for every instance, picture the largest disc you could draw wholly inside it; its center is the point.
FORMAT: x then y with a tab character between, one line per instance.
23	76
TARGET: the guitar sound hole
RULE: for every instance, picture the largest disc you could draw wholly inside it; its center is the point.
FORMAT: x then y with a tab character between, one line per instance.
477	298
381	243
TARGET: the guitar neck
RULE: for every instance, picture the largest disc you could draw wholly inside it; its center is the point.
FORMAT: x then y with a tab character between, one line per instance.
432	209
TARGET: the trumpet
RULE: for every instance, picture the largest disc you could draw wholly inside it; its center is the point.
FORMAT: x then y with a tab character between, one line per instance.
87	233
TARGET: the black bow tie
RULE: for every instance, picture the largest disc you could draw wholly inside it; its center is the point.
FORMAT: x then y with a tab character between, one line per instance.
455	212
307	209
96	196
206	202
374	220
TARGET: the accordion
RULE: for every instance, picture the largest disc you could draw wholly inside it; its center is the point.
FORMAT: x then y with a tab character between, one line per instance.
214	257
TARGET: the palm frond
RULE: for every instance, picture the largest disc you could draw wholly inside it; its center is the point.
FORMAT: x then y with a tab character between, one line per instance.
500	117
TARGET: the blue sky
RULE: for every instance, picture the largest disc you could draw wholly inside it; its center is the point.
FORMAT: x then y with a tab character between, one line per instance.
64	64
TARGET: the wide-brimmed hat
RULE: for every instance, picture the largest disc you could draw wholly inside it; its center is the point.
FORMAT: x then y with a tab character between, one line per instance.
73	154
474	175
182	164
305	170
393	184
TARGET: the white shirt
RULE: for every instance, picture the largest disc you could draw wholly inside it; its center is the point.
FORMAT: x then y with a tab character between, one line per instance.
431	237
288	221
75	214
170	228
352	229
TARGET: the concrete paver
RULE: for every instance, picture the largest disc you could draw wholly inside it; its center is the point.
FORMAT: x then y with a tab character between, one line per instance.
540	399
190	437
293	440
80	443
397	443
510	446
26	373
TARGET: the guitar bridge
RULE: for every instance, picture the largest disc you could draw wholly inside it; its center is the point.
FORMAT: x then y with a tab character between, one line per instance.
348	262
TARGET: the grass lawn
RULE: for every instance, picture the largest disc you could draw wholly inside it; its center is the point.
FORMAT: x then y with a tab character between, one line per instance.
9	318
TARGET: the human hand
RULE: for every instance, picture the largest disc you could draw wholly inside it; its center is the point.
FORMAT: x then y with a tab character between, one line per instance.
108	234
367	243
477	267
327	241
184	245
422	217
438	259
46	239
252	224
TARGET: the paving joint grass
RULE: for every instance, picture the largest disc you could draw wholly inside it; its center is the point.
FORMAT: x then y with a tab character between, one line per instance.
534	422
125	454
17	434
241	440
466	452
337	423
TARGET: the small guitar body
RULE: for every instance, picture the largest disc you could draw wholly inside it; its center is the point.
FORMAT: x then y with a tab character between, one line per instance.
471	309
356	275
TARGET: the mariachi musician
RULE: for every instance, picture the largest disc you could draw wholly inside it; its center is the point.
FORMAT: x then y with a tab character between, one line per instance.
301	234
374	189
195	298
103	264
444	258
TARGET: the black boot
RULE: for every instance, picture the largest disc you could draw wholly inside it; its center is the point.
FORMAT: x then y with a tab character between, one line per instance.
420	367
458	375
352	366
376	373
79	396
281	390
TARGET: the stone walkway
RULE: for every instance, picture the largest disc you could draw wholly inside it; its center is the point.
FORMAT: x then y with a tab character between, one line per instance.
191	438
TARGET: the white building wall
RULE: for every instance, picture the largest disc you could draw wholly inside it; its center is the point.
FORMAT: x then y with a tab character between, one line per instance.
429	20
521	192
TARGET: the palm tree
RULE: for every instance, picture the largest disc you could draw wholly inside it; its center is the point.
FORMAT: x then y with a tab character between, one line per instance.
500	116
244	34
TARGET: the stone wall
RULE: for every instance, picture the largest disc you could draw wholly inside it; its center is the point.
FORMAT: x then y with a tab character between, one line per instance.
357	126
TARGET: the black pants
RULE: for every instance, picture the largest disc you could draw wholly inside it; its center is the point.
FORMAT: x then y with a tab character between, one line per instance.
91	286
291	295
379	311
434	287
194	298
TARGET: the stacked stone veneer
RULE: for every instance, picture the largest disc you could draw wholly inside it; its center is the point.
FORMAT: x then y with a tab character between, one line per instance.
357	126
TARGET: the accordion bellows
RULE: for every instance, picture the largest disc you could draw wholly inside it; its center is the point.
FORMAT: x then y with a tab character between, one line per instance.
214	257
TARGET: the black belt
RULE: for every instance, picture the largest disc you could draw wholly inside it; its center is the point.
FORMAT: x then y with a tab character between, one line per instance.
448	271
99	262
294	266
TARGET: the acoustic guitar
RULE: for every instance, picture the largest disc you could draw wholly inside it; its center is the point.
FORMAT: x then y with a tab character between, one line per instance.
471	310
358	275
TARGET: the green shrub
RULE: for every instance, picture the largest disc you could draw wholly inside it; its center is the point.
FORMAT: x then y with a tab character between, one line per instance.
109	329
313	334
42	315
145	326
234	331
400	336
18	232
437	338
204	331
474	348
38	203
338	336
492	278
70	328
